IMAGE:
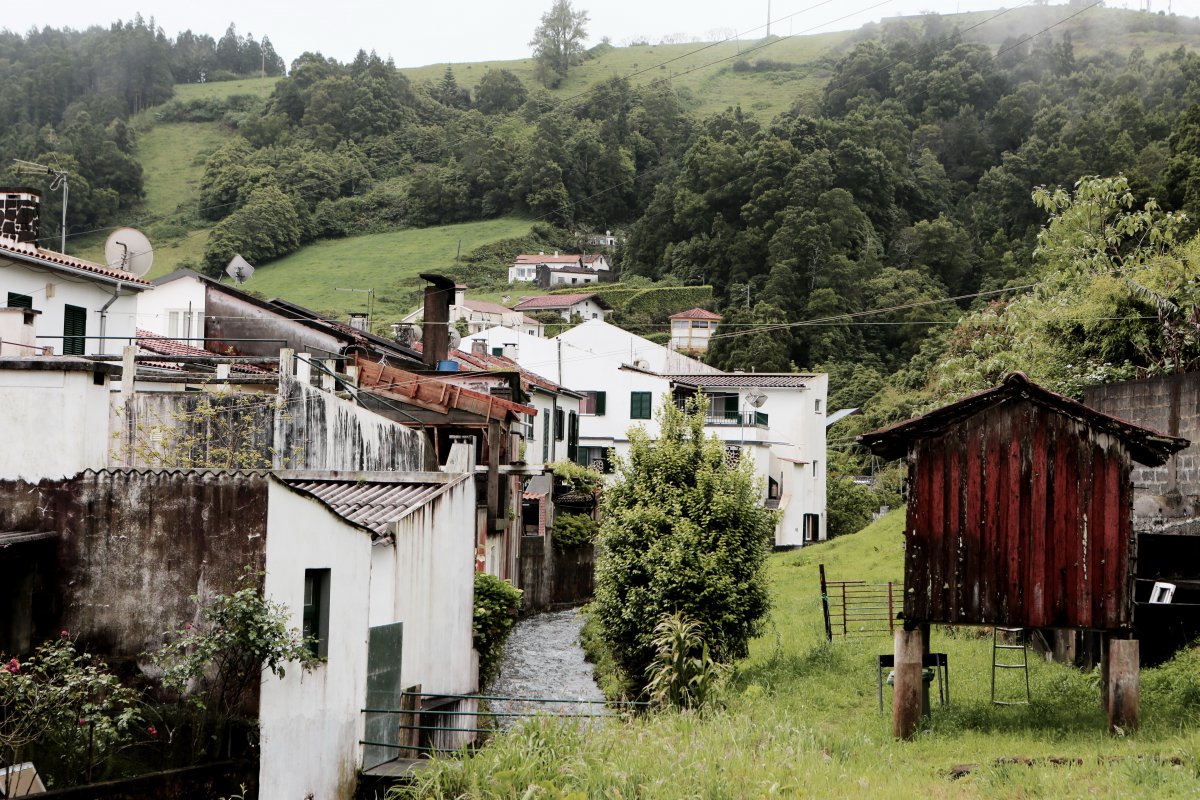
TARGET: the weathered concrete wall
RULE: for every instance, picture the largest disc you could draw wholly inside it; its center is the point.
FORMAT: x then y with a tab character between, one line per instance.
553	578
134	546
55	417
1166	497
301	428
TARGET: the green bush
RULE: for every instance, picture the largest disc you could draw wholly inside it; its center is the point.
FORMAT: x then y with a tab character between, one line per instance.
684	532
497	604
848	505
572	531
683	674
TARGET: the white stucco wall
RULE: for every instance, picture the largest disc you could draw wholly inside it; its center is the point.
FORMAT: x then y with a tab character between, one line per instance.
426	579
52	290
606	343
55	423
154	305
310	723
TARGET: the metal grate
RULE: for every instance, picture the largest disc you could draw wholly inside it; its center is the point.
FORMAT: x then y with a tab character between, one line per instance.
857	608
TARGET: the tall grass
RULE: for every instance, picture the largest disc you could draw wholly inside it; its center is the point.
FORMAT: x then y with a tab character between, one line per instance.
800	718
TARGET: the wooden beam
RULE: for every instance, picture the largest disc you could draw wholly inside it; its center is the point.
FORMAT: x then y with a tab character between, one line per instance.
907	704
1123	685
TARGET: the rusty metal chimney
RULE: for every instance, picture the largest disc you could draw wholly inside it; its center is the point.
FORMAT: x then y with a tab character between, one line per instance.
19	212
435	336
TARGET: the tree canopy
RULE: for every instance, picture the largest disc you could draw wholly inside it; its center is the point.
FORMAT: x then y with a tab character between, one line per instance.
558	41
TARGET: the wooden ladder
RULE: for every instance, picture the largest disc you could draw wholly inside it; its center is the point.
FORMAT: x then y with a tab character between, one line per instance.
1002	645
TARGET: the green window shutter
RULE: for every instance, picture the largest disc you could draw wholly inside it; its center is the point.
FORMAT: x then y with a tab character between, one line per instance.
74	330
572	436
601	403
639	405
497	351
545	438
19	300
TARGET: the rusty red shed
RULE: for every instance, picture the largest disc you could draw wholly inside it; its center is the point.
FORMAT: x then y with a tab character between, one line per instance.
1019	509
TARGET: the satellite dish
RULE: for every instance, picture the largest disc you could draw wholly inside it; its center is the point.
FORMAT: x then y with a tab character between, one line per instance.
756	398
129	250
239	269
455	337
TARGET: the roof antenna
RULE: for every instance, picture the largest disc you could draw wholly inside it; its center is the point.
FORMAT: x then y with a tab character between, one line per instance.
60	179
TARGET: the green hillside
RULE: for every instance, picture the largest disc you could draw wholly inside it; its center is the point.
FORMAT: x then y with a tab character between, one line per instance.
388	263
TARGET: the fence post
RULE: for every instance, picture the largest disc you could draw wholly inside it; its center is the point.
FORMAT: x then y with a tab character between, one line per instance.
409	718
891	611
825	604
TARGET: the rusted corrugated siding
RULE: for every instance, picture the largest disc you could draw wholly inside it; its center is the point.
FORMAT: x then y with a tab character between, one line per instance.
1019	516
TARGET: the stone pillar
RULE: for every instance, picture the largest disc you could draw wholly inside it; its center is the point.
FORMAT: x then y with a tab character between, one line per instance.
1122	687
907	704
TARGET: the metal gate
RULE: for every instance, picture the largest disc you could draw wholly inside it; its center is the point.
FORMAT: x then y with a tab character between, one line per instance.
857	608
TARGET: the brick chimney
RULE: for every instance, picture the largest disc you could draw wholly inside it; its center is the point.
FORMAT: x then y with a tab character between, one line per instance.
19	211
478	347
435	336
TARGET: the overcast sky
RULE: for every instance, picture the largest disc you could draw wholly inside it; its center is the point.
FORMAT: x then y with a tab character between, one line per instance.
418	32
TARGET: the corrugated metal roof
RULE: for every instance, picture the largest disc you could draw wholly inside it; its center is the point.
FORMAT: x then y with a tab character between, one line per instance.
768	380
369	505
51	258
1146	445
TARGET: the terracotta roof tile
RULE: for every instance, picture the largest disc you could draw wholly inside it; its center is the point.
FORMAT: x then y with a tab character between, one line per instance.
696	313
553	301
19	249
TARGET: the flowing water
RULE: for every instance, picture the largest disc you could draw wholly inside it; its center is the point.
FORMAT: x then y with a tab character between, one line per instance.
543	659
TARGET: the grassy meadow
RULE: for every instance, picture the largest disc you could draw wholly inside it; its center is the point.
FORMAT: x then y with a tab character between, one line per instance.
801	720
389	263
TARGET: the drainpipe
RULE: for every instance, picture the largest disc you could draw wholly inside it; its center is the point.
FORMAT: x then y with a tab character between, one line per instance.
104	315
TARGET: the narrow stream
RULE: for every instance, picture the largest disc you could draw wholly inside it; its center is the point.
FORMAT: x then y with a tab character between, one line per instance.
543	659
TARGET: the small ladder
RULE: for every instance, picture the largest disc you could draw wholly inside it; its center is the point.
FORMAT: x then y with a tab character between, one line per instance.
1002	643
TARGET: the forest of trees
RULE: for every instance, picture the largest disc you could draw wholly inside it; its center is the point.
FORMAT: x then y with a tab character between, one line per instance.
66	97
908	183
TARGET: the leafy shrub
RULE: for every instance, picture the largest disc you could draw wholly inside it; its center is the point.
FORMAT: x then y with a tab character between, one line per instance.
683	673
1176	684
685	532
497	605
572	531
582	480
848	505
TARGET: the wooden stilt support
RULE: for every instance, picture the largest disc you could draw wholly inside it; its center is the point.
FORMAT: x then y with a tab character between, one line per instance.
1123	685
907	704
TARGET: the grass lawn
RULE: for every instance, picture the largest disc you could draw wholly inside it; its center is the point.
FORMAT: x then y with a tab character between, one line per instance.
222	89
801	720
389	263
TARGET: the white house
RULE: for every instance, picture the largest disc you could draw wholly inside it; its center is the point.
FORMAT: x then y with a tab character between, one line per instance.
481	315
80	308
526	267
691	329
175	306
624	378
588	306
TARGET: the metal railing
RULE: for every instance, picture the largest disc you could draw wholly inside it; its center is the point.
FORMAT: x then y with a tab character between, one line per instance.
749	419
418	726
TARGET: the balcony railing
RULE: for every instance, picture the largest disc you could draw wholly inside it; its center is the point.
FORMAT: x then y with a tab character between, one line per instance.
749	419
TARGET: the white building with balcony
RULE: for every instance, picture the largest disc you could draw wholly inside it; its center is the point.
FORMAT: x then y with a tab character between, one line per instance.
776	420
691	329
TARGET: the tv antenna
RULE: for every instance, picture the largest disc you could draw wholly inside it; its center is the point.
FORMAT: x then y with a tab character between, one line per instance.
128	250
60	180
370	293
239	269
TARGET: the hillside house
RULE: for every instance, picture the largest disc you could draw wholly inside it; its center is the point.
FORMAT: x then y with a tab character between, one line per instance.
481	314
587	306
526	268
691	329
56	303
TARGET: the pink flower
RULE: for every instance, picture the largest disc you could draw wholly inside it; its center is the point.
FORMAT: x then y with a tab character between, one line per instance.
187	626
12	666
153	731
64	633
82	721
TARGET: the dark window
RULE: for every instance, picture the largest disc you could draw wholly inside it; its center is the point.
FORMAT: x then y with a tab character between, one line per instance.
572	436
639	405
812	527
559	428
74	330
595	457
19	300
316	610
593	403
497	351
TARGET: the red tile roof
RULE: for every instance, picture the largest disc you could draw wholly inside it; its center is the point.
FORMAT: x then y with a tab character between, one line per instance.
164	346
695	313
29	251
483	306
592	257
555	301
545	259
